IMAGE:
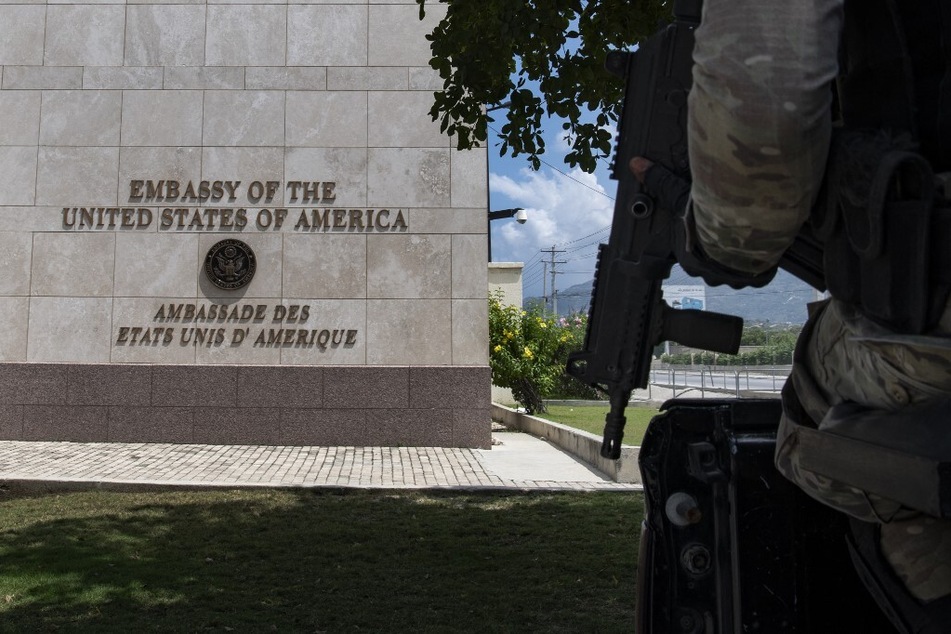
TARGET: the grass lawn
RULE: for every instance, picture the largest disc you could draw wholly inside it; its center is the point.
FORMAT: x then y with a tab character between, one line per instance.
591	418
318	561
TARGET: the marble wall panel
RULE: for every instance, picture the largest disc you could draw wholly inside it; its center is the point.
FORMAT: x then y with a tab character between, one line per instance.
286	78
77	176
424	79
151	346
409	266
254	118
409	331
16	248
450	220
80	117
161	118
132	2
346	167
14	313
325	265
42	77
205	77
470	171
398	36
69	329
401	119
244	164
326	119
127	78
246	35
165	35
156	163
327	35
470	331
73	264
367	78
19	117
232	352
408	177
84	35
153	265
21	34
18	166
30	219
360	2
338	317
469	266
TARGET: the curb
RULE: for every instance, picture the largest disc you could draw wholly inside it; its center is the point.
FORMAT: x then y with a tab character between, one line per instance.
582	445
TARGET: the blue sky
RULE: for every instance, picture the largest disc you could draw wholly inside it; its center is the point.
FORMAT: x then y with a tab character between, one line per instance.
567	209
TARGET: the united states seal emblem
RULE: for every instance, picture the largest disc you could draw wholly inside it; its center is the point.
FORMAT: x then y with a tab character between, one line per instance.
230	264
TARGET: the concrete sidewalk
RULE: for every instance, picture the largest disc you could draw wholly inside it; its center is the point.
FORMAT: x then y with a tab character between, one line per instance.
516	461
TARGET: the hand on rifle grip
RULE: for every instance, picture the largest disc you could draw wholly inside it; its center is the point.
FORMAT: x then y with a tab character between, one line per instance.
639	166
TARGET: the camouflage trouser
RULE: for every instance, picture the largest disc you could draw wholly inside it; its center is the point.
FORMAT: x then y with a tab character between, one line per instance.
844	357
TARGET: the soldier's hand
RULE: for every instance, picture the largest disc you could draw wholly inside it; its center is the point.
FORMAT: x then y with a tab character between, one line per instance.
639	166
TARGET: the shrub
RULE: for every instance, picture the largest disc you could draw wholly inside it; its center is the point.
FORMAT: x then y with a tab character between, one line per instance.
525	352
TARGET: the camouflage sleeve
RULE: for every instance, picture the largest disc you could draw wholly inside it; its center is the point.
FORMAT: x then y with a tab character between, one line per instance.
759	123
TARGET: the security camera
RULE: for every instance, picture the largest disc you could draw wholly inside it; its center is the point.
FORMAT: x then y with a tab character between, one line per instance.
521	216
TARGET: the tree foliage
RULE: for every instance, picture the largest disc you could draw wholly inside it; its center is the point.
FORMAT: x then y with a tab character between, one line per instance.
528	352
770	347
540	57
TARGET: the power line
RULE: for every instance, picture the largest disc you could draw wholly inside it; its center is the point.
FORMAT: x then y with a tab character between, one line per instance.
568	176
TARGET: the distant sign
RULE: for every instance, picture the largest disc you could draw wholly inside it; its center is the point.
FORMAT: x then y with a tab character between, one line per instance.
693	297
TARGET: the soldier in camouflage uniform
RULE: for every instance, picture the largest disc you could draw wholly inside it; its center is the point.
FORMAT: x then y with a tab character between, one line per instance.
759	129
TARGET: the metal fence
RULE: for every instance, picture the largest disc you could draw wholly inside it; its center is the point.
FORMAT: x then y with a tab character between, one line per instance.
748	382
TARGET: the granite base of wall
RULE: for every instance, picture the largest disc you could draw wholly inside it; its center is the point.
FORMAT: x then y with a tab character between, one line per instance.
441	406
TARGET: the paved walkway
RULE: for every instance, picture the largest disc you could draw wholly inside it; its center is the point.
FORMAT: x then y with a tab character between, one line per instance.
516	461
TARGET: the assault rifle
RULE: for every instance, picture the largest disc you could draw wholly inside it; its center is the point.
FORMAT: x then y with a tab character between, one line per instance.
628	316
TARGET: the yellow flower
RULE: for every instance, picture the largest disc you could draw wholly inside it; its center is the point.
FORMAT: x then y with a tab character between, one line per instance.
542	324
528	353
497	349
509	334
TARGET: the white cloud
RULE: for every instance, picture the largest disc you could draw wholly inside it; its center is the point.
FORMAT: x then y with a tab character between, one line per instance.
561	209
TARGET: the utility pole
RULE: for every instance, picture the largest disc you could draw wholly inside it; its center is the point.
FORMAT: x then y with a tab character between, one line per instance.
554	271
545	283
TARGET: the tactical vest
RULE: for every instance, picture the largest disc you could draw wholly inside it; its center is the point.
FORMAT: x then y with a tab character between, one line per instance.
884	222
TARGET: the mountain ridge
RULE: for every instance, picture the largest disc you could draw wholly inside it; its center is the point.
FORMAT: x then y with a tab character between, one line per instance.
782	301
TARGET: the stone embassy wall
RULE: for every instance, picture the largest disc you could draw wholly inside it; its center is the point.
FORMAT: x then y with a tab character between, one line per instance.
136	137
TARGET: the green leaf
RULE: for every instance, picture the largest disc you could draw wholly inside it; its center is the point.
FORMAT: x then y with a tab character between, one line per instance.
488	51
